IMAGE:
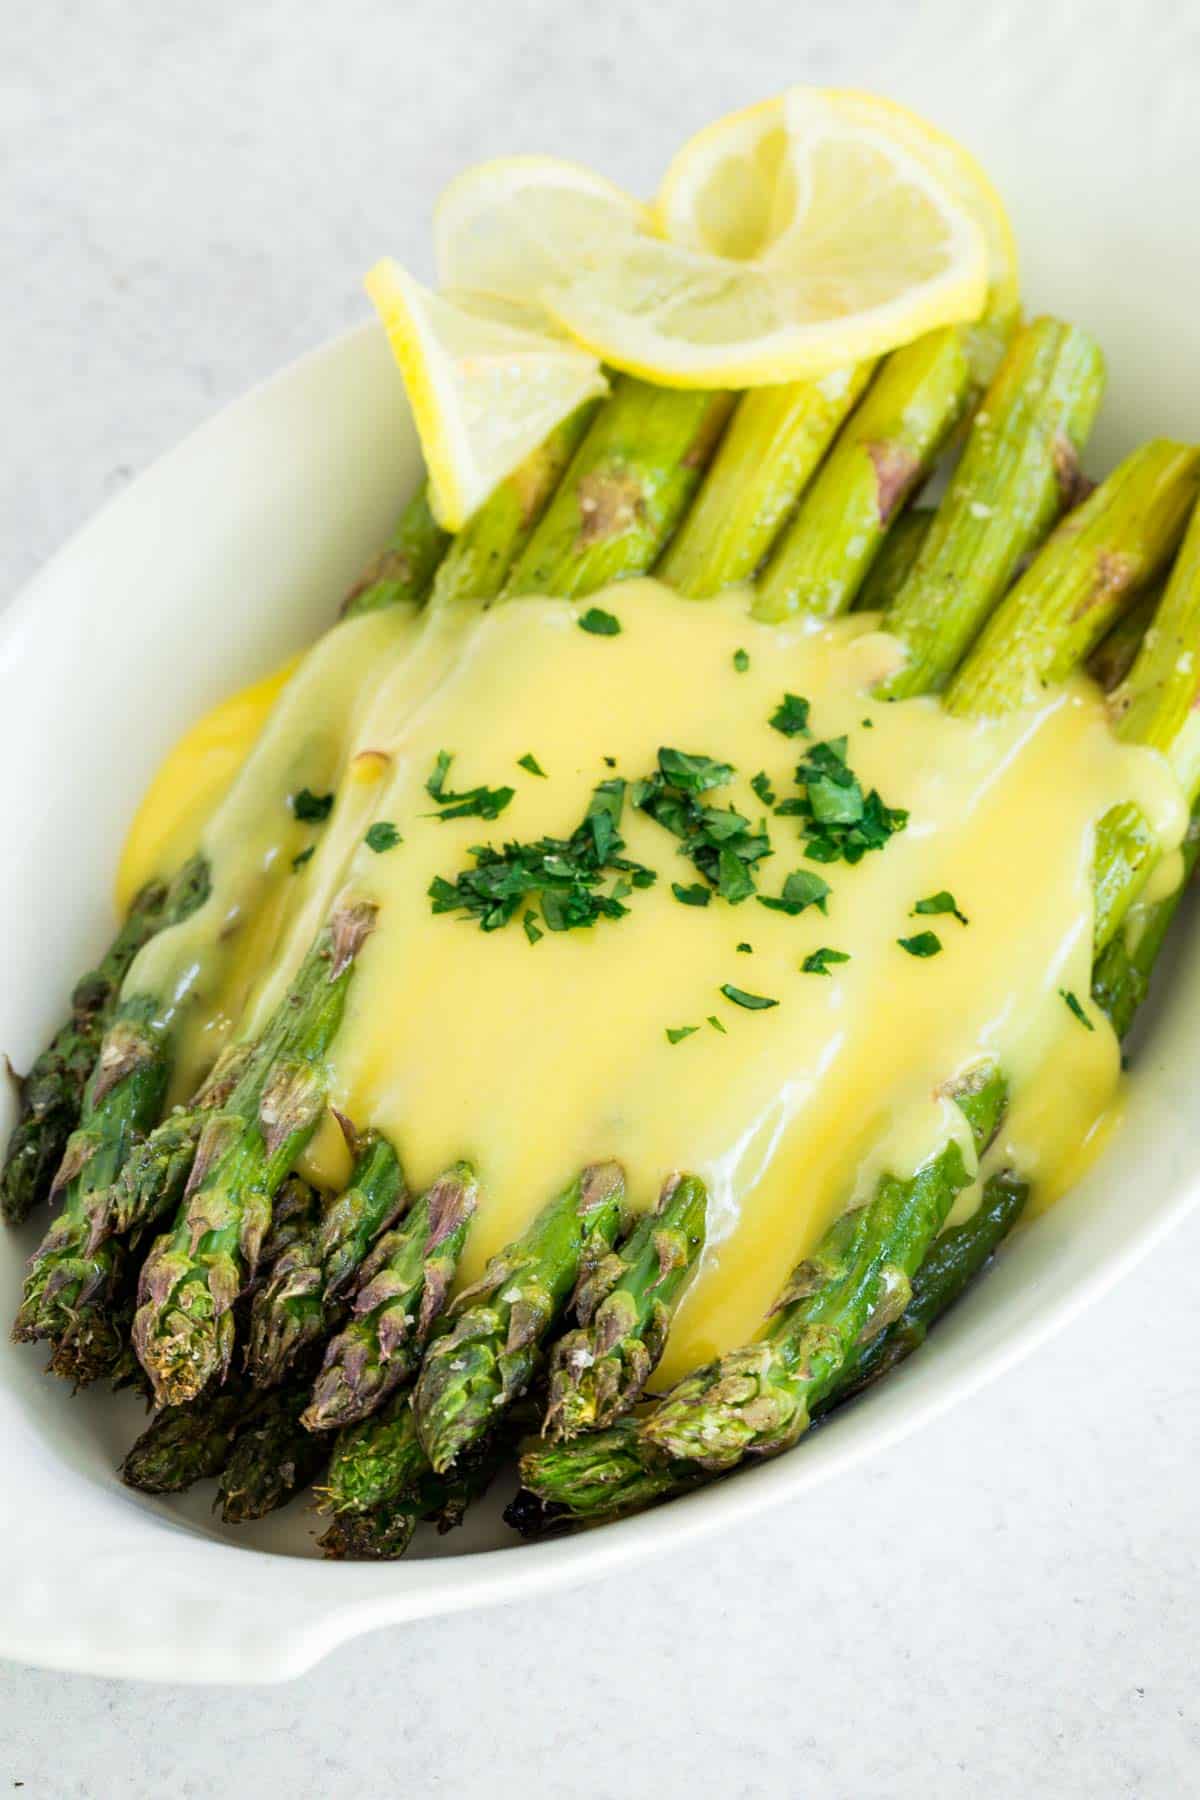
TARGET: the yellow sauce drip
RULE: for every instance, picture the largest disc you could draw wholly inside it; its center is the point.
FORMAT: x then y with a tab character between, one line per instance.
533	1059
191	781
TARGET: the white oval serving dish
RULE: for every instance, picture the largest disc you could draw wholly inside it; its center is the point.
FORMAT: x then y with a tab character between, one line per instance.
227	555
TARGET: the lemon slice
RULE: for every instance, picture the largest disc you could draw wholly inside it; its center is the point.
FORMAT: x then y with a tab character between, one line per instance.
731	192
487	381
520	225
814	231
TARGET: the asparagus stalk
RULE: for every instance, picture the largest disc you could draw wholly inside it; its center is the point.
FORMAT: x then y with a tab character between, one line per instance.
773	443
889	445
405	567
1153	706
897	554
297	1209
625	491
52	1093
375	1462
297	1304
1019	470
478	561
485	1358
624	1307
183	1328
401	1291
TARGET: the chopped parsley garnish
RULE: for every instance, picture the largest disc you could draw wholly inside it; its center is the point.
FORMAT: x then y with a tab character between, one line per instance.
677	1033
529	761
610	762
926	943
529	921
745	949
941	902
719	841
563	873
695	895
840	822
752	1002
302	856
381	836
717	1025
802	888
791	716
1073	1003
867	724
817	961
599	622
310	808
471	803
761	785
741	661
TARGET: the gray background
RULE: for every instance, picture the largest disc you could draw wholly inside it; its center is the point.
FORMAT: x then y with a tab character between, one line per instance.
1006	1604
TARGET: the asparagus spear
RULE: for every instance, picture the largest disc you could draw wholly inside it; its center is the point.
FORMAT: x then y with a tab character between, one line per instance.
376	1461
401	1291
759	1399
607	1473
297	1209
52	1092
1082	579
405	567
624	1308
1019	470
625	491
273	1457
772	445
183	1328
897	554
1152	706
74	1290
478	561
1121	976
297	1304
495	1329
889	445
185	1444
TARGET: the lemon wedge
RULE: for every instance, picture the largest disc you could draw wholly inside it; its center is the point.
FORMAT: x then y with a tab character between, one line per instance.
814	230
487	378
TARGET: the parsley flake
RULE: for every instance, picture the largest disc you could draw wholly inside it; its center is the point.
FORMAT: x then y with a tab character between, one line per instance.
310	808
791	716
529	921
529	761
761	786
695	895
599	622
381	836
741	661
472	803
817	961
676	1034
719	841
926	943
1073	1003
751	1002
717	1025
299	860
941	902
841	823
745	949
802	888
564	873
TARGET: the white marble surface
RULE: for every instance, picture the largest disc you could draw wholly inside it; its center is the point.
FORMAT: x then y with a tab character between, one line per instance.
1007	1604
